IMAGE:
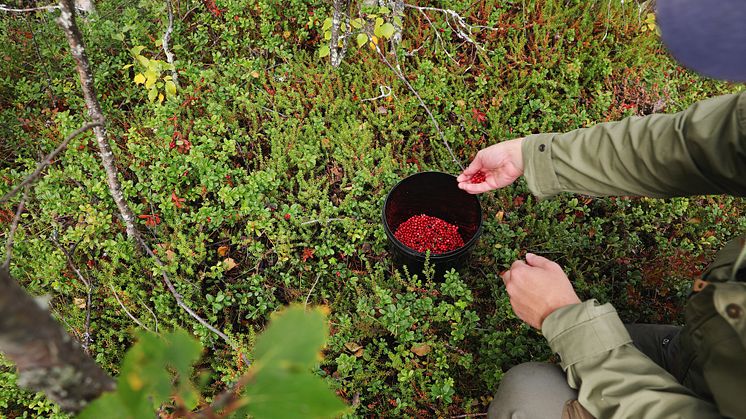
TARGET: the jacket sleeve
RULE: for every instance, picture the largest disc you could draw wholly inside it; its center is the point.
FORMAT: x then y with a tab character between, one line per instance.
613	378
701	150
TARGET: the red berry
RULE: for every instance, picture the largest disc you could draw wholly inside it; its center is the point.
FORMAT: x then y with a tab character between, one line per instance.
478	177
422	233
287	217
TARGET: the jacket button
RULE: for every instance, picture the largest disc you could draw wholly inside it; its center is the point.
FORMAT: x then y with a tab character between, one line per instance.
734	311
542	147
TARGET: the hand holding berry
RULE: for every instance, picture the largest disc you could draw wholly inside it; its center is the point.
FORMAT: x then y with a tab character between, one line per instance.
496	166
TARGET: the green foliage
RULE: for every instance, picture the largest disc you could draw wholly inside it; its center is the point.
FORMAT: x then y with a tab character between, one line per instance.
262	186
151	75
284	385
145	379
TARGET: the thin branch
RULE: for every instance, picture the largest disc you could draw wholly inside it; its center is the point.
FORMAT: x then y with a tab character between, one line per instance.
12	232
399	74
385	92
166	39
463	30
86	339
134	319
305	304
327	221
225	400
180	301
30	179
469	415
437	35
155	318
49	8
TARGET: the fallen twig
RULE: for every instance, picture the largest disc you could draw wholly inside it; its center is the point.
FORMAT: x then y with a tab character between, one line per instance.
166	39
12	232
134	319
318	276
385	92
86	339
398	72
49	8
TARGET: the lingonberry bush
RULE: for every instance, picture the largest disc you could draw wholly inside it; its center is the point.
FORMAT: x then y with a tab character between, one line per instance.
259	183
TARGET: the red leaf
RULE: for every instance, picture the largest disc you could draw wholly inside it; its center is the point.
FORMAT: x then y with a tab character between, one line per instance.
307	254
479	115
177	201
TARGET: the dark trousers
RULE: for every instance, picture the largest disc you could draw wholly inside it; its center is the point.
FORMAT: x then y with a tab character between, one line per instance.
539	390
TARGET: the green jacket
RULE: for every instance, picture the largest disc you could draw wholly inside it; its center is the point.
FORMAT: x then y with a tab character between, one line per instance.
701	150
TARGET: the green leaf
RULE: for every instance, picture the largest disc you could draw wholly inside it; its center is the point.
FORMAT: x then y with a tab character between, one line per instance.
152	94
118	36
357	23
327	35
142	60
278	394
387	30
361	39
170	88
379	22
398	21
327	24
135	51
150	78
324	51
294	336
384	10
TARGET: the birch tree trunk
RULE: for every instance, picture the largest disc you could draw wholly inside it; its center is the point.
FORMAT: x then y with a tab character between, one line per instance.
47	358
77	49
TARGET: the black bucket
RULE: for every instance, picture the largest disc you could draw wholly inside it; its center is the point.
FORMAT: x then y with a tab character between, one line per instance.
437	195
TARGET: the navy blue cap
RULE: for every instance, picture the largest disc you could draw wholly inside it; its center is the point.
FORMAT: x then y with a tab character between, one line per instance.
708	36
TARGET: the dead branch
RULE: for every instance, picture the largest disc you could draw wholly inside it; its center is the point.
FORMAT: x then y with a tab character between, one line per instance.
30	179
46	357
385	92
400	75
457	23
166	39
12	232
134	319
49	8
86	339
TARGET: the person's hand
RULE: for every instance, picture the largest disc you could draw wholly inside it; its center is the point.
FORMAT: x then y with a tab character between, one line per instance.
501	164
536	288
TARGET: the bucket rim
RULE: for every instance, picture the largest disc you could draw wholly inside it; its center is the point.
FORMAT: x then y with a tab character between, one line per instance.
422	255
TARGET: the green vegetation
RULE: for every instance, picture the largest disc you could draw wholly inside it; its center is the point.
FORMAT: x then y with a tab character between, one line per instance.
260	180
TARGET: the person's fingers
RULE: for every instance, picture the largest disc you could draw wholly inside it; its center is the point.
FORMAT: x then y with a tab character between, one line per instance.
506	277
475	188
518	264
473	168
538	261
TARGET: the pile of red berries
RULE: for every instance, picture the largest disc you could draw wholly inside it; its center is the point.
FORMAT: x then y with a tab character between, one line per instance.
478	177
422	233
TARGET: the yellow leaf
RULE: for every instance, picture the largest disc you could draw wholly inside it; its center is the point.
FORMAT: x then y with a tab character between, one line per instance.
160	98
421	349
223	250
170	88
352	346
139	78
229	264
79	302
499	216
170	255
134	381
255	74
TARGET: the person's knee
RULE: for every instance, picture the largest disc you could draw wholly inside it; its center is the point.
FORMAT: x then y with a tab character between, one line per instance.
531	390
